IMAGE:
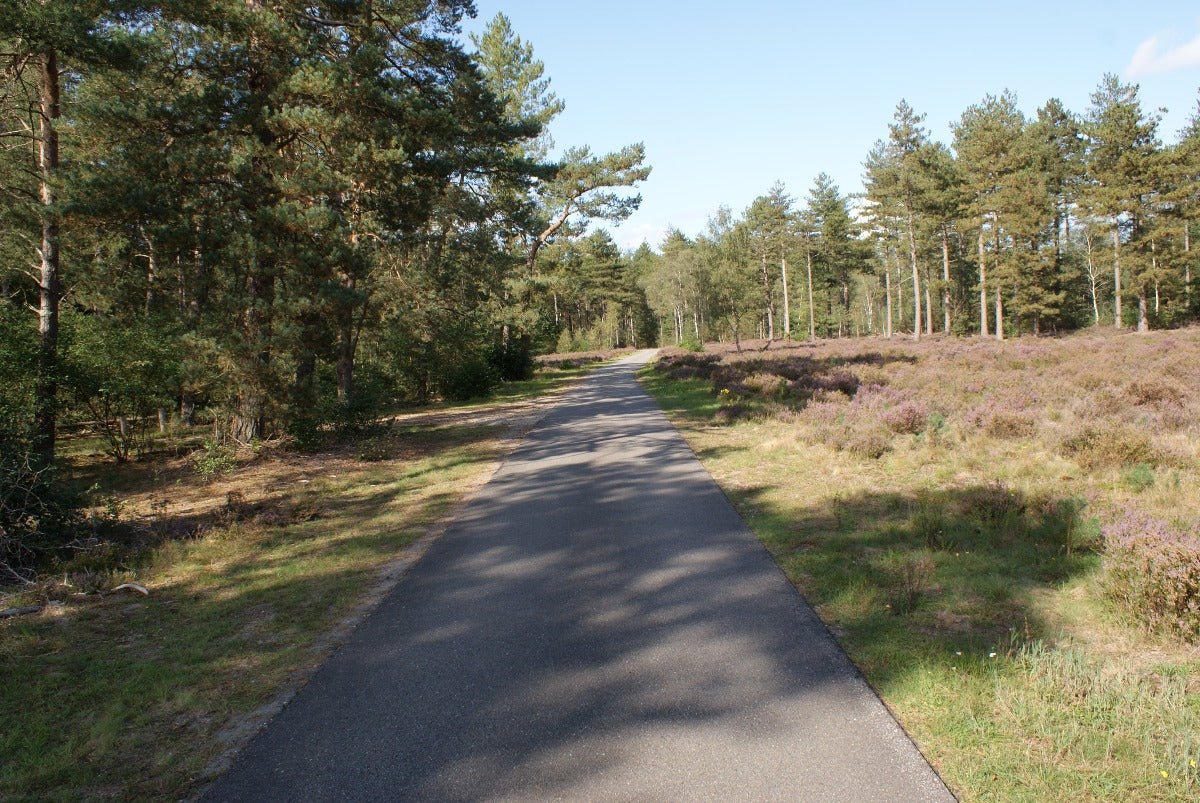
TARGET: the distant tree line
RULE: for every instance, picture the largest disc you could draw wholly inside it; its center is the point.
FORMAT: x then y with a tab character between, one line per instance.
1020	225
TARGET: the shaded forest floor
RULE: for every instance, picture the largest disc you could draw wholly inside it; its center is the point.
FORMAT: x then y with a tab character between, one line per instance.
941	504
255	568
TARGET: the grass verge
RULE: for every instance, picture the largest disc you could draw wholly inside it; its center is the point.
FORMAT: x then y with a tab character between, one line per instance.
963	589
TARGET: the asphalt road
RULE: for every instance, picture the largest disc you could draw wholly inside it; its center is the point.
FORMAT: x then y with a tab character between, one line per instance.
598	625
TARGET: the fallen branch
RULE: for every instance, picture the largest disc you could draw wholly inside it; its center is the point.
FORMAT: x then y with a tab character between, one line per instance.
22	611
131	587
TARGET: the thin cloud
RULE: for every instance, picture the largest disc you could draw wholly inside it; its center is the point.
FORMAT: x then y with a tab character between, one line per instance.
1155	55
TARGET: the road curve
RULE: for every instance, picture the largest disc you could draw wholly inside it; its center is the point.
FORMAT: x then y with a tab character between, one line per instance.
598	625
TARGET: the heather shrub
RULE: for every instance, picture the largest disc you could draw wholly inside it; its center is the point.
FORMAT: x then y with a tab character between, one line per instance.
734	411
1097	446
1152	390
1003	417
837	379
765	384
1152	571
997	507
870	442
909	416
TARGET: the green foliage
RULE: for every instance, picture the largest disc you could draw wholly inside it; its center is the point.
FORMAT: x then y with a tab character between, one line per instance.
120	372
471	376
214	460
1138	477
691	343
513	360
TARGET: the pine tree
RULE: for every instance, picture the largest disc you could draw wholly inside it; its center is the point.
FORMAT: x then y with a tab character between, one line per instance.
895	181
43	40
984	141
1121	156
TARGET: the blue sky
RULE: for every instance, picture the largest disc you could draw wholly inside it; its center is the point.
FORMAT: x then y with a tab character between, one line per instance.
731	96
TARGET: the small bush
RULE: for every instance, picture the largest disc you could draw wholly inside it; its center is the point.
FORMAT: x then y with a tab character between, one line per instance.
1138	477
764	384
997	508
729	412
1003	418
1152	571
911	575
870	442
513	360
213	460
1152	390
469	377
929	523
1113	445
907	417
692	343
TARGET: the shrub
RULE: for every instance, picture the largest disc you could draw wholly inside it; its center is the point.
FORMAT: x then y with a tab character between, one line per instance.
911	574
869	442
692	343
1004	417
998	508
1152	571
909	417
929	523
470	376
121	372
1138	477
213	460
1111	445
513	360
765	384
35	518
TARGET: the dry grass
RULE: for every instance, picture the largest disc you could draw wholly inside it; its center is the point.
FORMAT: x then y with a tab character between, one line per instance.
941	505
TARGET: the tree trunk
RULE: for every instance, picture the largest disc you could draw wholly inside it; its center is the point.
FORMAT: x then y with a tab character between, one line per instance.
983	297
1092	278
187	409
1118	321
50	283
812	314
768	303
999	315
945	280
787	305
870	309
164	418
151	271
253	394
912	253
928	307
1187	263
887	281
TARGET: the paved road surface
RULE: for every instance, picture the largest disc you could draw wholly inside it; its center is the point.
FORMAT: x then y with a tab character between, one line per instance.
599	625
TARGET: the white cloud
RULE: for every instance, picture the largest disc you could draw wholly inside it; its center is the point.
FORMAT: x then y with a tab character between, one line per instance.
1157	55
